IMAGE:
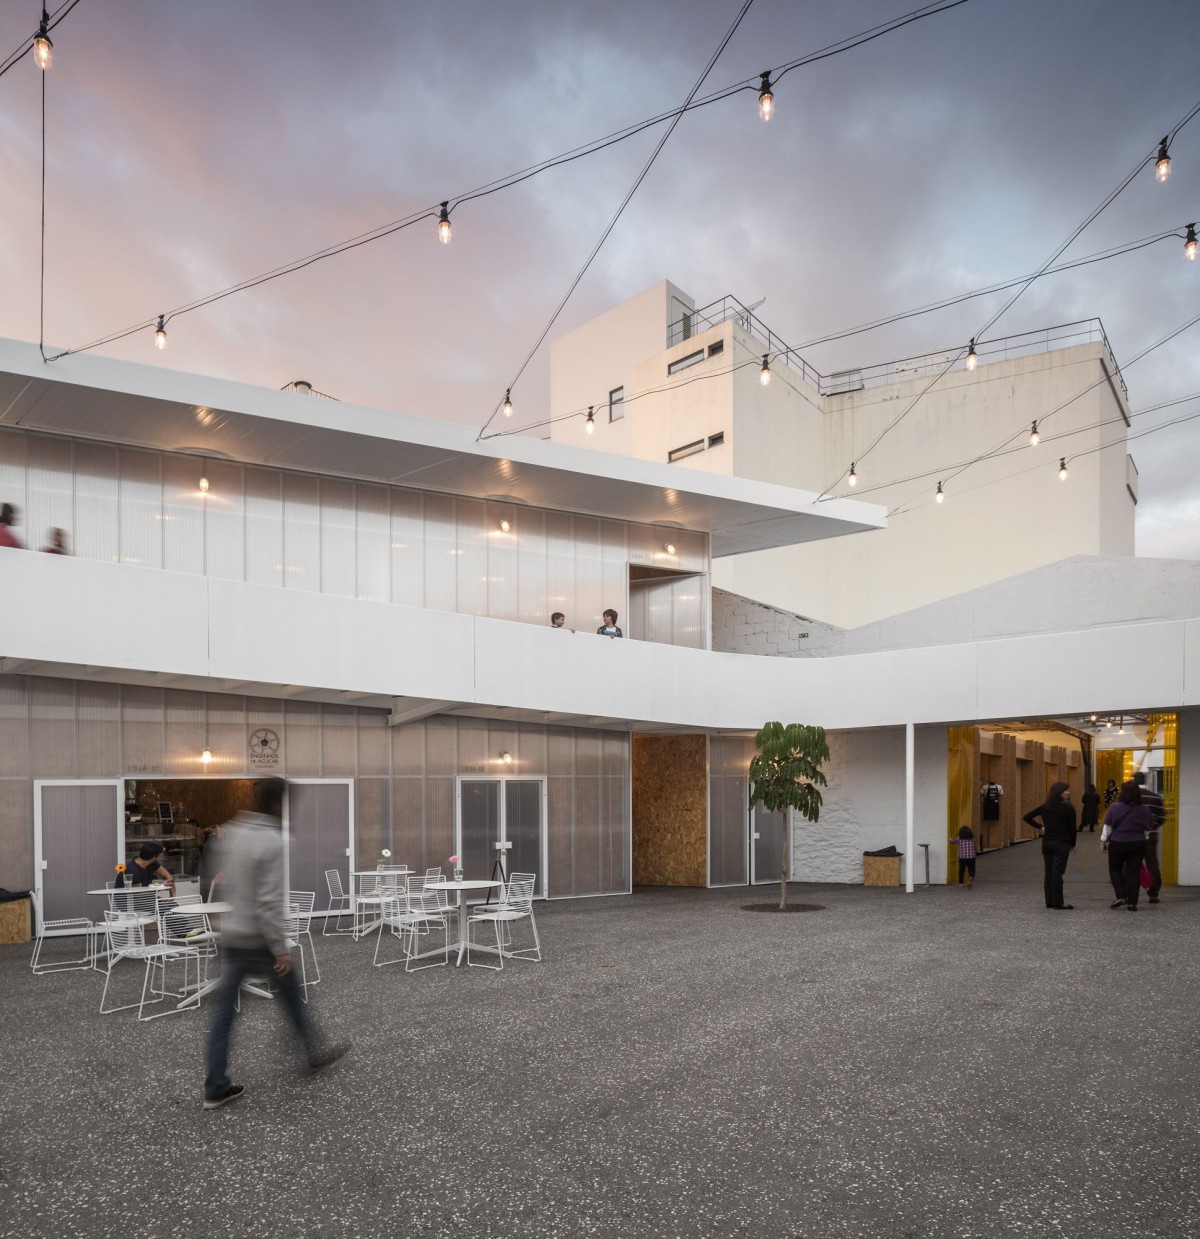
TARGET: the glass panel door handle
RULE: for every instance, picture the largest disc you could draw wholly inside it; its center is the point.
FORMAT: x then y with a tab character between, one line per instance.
756	835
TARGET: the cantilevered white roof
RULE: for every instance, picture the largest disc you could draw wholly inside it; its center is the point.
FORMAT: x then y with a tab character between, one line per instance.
121	402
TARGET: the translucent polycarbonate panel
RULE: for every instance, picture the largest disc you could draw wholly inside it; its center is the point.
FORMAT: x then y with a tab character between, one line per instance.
560	752
372	819
615	755
226	737
318	834
80	846
264	526
16	833
183	504
531	750
408	822
441	746
142	730
439	824
614	835
14	727
374	537
339	741
265	731
408	751
338	553
98	723
475	754
502	738
560	838
530	528
588	748
301	532
141	515
691	550
560	570
374	743
52	728
614	571
14	476
50	502
588	835
441	554
408	548
590	601
523	829
302	724
95	535
689	612
766	850
650	611
225	523
185	734
727	831
479	826
472	557
504	550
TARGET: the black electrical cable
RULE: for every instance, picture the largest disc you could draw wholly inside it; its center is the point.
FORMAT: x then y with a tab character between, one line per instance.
55	17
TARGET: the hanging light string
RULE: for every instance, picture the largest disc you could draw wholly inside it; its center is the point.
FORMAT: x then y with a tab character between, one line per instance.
507	182
20	53
612	223
1105	203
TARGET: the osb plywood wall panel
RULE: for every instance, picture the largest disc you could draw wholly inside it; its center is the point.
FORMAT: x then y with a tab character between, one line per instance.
670	810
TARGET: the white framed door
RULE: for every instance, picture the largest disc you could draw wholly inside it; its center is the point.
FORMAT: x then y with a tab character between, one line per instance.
78	839
506	808
318	834
766	843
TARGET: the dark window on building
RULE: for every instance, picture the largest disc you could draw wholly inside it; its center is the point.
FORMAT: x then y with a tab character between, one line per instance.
717	346
616	404
717	439
683	362
688	449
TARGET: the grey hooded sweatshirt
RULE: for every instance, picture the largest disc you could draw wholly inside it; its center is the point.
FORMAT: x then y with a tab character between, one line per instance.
250	861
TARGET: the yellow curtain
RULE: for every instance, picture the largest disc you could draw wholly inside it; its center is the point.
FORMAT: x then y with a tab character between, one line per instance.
1115	764
1166	729
960	789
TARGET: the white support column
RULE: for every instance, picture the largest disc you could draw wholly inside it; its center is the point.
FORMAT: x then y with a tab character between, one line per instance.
909	795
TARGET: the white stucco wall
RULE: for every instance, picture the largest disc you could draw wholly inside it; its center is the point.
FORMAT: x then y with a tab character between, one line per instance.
864	806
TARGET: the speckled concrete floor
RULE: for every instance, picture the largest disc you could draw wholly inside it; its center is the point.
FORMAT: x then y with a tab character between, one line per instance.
949	1063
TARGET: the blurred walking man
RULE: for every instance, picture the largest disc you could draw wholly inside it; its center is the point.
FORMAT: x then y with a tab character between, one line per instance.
254	937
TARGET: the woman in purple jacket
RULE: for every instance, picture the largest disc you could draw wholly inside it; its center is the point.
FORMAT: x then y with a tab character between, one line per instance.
1124	837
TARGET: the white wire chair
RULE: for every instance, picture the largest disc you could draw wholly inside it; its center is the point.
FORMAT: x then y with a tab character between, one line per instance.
445	906
373	889
516	905
339	905
303	901
407	914
292	923
126	939
72	925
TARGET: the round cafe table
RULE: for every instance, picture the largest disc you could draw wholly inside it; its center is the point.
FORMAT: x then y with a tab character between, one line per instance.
463	886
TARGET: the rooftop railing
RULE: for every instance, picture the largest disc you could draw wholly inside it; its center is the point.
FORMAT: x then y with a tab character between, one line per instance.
842	382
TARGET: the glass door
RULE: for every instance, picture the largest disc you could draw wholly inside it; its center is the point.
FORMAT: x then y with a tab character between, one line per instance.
78	834
318	835
766	844
509	810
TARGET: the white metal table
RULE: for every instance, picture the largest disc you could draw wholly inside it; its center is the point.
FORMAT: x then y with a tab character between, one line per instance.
214	908
463	886
357	875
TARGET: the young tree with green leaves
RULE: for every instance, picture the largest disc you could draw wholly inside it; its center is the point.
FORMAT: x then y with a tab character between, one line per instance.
786	774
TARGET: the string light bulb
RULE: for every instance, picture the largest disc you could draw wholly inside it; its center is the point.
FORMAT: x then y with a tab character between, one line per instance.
972	355
1062	469
506	758
1190	246
1108	722
1121	729
203	484
764	375
1093	718
852	479
206	756
43	49
507	406
160	334
669	547
766	100
590	424
444	224
505	526
1034	437
940	497
1162	165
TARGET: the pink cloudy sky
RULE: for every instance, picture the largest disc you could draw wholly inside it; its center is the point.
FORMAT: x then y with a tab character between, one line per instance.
193	145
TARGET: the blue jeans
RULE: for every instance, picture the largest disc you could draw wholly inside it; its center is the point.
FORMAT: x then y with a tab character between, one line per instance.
240	963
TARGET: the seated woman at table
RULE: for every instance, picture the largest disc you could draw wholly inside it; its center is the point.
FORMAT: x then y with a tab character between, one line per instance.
146	868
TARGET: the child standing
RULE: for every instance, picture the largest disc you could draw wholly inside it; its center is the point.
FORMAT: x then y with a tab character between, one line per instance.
966	856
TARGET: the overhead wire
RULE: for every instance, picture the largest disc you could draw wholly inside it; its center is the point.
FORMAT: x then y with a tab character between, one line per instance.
15	57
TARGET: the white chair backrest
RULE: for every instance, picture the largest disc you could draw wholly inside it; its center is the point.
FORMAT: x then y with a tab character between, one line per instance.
121	932
333	880
520	891
304	901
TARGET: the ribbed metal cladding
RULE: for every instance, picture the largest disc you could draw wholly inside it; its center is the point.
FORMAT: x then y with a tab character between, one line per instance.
504	550
302	722
98	711
441	554
372	819
561	837
52	727
184	732
94	532
140	515
301	532
79	846
14	727
225	522
264	526
373	545
14	471
318	834
339	741
374	744
51	495
16	834
225	735
339	555
728	826
408	548
182	515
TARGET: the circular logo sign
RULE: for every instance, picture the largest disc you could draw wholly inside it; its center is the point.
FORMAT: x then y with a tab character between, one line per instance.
264	749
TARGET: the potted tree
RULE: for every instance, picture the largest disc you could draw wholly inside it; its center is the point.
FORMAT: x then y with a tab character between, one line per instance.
786	774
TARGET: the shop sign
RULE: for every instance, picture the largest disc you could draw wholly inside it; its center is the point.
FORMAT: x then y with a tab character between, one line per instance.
264	750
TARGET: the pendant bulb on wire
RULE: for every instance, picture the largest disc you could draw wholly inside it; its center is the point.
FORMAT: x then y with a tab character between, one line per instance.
764	375
507	405
160	334
43	49
940	497
1034	437
852	479
444	224
590	424
1190	245
766	99
972	355
1063	472
1162	165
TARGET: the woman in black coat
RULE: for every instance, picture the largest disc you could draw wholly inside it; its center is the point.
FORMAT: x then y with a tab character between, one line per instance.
1056	820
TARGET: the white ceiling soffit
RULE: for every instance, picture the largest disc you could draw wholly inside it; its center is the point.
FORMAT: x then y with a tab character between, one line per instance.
122	402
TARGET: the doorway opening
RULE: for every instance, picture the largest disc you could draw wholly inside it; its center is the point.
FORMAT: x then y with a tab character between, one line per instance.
501	816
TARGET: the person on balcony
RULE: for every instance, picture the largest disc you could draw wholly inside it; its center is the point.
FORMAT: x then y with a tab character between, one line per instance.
9	518
57	545
609	627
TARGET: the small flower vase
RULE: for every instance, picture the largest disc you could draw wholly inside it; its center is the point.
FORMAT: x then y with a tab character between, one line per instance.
458	873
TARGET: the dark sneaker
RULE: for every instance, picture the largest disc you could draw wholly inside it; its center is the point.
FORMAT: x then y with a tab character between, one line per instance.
1153	898
327	1057
232	1093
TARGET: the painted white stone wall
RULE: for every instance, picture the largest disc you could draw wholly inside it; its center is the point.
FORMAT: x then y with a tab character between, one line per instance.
743	626
864	806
